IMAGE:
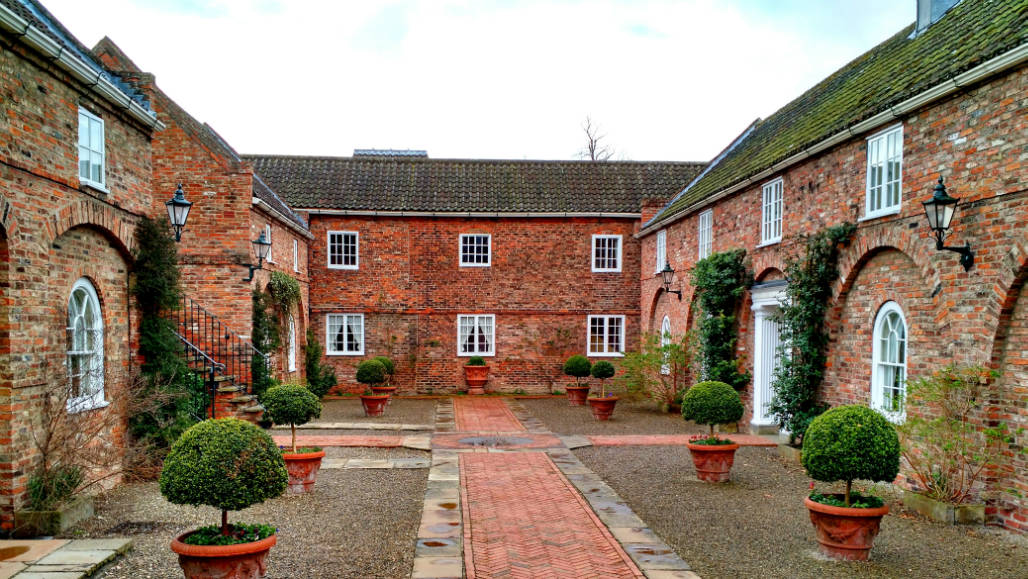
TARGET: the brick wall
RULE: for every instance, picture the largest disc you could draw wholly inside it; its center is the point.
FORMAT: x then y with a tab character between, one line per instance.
974	140
410	286
55	231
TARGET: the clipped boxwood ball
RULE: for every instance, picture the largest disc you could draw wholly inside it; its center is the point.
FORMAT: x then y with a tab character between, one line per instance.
603	370
577	366
388	364
290	404
712	403
371	372
476	361
849	443
227	463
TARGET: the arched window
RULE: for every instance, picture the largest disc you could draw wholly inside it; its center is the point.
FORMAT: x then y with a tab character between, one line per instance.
889	362
291	352
85	348
665	341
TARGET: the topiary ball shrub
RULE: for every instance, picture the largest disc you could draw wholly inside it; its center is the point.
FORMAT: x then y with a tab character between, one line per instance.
602	370
228	464
579	367
371	372
389	365
849	443
476	361
712	403
291	404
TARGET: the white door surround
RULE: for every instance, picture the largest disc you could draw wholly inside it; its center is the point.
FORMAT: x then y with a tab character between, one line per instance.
766	298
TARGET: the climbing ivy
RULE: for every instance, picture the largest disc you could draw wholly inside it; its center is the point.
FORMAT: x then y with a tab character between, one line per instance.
284	290
264	336
803	332
170	391
721	281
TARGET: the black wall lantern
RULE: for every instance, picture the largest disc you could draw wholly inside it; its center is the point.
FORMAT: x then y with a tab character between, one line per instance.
669	276
261	247
178	211
940	210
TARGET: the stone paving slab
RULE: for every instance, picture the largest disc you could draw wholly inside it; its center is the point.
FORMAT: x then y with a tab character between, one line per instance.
76	559
672	439
439	544
383	441
523	518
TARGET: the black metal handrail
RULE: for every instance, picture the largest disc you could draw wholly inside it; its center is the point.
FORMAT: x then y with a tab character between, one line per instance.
239	360
208	369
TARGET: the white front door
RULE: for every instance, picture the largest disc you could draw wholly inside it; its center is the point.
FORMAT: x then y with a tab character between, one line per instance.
766	348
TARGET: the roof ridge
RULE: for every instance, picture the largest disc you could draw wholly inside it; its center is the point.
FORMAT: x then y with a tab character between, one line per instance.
401	159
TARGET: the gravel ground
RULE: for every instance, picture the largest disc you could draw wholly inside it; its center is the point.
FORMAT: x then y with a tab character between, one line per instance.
757	526
629	418
414	411
357	523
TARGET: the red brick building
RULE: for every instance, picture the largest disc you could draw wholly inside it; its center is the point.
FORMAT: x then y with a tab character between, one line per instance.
75	175
432	261
939	99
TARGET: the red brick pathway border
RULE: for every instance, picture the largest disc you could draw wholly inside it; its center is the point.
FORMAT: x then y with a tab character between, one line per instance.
672	440
522	518
484	415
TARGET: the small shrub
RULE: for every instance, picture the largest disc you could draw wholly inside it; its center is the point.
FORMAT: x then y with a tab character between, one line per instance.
601	371
320	379
227	464
52	488
390	367
476	361
712	403
657	370
291	404
579	367
371	372
848	443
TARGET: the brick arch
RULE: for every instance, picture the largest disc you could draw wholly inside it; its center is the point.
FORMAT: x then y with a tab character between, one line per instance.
769	273
107	220
8	218
867	243
767	262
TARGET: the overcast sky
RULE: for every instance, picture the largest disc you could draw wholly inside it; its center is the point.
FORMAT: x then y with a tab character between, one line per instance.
664	80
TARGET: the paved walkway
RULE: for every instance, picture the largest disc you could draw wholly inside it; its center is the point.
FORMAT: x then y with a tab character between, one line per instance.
59	558
484	415
522	518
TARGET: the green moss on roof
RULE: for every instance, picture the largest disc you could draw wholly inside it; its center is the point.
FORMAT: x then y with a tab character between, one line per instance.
900	68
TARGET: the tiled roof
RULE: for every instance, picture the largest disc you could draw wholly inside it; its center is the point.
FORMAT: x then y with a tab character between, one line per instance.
40	18
900	68
268	196
449	185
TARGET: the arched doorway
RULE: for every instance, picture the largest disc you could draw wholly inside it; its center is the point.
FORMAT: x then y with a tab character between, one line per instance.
767	297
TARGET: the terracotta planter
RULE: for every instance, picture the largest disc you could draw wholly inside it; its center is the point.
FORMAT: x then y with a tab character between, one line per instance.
303	470
476	377
242	561
384	390
713	462
577	395
845	533
374	404
602	407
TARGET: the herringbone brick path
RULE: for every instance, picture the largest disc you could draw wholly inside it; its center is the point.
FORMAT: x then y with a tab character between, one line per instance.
484	415
522	518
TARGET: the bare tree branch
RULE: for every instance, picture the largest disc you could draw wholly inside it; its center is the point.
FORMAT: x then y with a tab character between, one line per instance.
594	149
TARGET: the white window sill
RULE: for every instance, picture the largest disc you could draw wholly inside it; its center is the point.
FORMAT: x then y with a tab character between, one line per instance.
346	267
769	243
472	354
877	214
77	405
606	271
344	353
476	265
606	354
90	184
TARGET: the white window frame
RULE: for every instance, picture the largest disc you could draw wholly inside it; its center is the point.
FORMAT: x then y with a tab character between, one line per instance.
878	366
89	119
489	250
661	252
617	254
330	349
665	341
342	249
94	358
291	346
267	235
296	255
606	337
705	234
876	144
476	321
772	207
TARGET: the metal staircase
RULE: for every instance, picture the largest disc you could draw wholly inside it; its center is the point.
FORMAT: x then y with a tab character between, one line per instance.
228	363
